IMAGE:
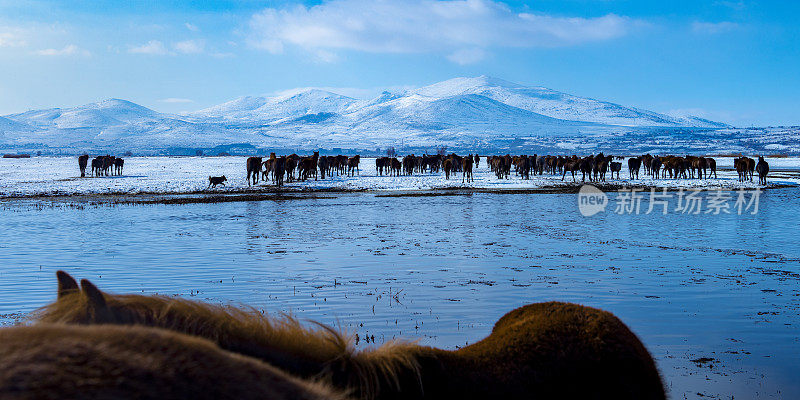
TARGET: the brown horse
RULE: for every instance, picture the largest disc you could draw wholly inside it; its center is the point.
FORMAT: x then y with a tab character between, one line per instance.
82	162
751	166
352	165
501	166
571	166
56	361
447	166
253	169
740	165
108	165
712	167
269	167
395	167
655	166
466	169
97	166
290	165
647	161
537	351
698	165
308	166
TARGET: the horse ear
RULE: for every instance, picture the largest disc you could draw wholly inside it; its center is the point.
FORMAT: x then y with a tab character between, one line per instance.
95	296
66	284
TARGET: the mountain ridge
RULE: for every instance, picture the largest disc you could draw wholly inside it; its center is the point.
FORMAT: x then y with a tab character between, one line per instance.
466	111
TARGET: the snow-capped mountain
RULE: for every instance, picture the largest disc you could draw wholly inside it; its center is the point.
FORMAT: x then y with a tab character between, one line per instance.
559	105
538	101
8	125
293	104
460	112
103	114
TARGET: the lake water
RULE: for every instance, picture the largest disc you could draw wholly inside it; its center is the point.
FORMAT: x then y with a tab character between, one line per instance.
445	268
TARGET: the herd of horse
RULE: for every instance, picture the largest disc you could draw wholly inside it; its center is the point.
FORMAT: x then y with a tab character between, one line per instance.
101	165
412	164
657	167
744	167
89	344
294	167
594	167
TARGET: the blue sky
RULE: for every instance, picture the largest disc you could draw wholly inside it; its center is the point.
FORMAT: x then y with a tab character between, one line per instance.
736	61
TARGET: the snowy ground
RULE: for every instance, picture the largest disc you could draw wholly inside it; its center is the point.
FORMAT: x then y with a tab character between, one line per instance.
60	176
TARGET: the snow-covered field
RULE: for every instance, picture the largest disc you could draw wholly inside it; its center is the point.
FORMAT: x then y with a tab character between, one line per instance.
60	176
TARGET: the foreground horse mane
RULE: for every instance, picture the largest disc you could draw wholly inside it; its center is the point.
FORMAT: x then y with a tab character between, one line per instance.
542	350
321	352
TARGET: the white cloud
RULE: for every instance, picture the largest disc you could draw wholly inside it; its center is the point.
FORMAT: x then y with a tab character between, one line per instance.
156	47
9	39
713	27
176	100
190	46
462	29
153	47
68	50
735	5
467	56
191	27
326	56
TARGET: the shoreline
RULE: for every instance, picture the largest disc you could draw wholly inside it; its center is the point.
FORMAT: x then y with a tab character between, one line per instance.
267	193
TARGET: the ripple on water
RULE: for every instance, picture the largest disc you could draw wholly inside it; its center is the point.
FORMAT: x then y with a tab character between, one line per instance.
445	268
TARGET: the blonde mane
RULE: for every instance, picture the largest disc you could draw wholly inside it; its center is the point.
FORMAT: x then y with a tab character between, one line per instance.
541	350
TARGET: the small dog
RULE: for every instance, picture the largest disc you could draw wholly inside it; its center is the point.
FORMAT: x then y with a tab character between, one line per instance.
216	180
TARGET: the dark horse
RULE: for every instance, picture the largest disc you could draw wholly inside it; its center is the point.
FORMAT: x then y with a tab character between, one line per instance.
279	170
352	165
253	169
97	166
615	167
547	350
763	169
118	165
634	164
82	162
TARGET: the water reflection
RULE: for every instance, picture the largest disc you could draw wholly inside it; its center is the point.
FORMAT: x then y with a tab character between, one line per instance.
445	268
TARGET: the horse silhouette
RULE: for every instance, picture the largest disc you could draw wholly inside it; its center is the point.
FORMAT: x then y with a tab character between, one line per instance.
763	169
634	164
82	162
543	350
119	164
253	169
